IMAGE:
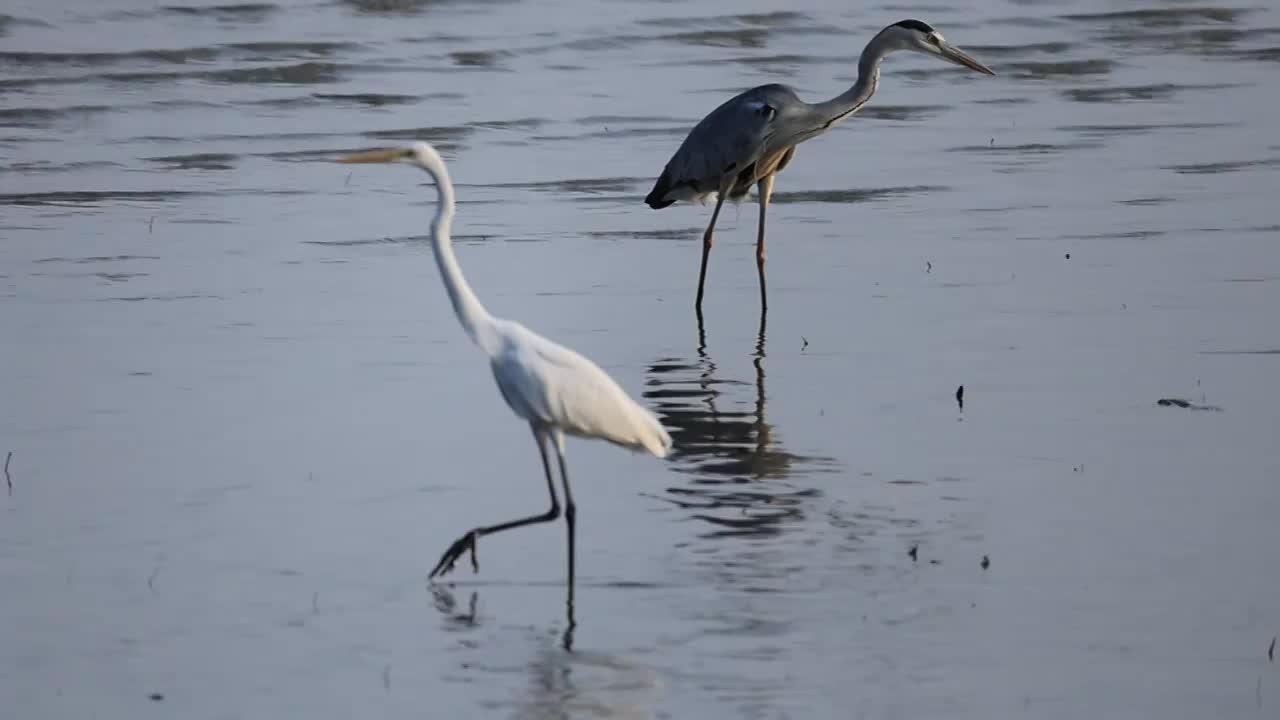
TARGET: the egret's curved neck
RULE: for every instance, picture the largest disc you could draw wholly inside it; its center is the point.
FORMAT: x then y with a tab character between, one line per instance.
848	102
475	320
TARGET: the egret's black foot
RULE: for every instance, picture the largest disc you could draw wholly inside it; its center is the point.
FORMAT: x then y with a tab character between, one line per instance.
459	546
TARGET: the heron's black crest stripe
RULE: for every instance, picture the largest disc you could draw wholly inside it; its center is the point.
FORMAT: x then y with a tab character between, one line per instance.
915	25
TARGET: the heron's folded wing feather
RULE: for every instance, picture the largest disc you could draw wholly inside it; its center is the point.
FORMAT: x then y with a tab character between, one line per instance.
728	140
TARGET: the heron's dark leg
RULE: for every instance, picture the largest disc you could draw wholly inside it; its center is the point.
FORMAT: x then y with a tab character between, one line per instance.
707	241
765	187
468	541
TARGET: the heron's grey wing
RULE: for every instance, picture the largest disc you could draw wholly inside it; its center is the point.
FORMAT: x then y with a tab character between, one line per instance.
727	141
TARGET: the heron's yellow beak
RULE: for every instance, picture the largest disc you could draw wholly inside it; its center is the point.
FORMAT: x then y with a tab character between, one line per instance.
377	156
951	53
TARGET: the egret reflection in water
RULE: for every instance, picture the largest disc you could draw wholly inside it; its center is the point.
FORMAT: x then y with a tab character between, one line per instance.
456	618
562	681
725	441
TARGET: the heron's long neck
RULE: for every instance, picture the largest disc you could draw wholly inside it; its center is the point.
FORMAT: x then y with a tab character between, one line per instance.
475	320
848	102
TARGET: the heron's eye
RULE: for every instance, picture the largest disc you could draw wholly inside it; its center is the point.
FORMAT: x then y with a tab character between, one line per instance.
932	38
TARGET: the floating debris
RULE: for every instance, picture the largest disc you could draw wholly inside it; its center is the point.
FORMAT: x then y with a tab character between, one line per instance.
156	697
914	552
960	397
1068	256
1186	404
805	341
986	562
1271	651
8	480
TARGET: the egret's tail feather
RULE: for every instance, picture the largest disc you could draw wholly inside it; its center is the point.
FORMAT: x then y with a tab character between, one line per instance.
657	440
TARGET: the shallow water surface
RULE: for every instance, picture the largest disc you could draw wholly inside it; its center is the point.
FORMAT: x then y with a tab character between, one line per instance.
244	422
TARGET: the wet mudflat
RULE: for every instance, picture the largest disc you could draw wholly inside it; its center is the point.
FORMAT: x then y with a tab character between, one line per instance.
244	422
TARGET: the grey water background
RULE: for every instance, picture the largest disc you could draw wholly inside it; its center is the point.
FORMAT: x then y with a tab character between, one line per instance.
244	423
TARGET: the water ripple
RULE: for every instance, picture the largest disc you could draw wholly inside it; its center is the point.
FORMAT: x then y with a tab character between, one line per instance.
1162	17
249	51
1215	168
1066	68
853	195
1157	91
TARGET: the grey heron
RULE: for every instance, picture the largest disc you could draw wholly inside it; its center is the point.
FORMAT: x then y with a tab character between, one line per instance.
554	389
751	137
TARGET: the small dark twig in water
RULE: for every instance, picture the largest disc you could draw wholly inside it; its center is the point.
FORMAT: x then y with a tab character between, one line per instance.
805	341
986	562
156	697
960	397
151	580
8	480
1186	404
1068	256
1271	651
935	562
914	552
928	266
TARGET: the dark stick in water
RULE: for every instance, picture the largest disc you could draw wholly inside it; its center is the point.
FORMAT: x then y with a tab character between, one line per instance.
8	480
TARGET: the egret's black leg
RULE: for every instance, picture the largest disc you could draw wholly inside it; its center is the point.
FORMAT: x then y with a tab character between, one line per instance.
570	516
570	511
468	541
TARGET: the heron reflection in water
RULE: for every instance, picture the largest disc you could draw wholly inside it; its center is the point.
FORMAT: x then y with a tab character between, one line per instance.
729	450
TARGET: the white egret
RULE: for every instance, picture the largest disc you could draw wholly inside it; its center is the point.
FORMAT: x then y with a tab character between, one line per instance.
556	390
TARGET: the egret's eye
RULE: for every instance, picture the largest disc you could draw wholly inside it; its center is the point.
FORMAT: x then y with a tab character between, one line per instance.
933	39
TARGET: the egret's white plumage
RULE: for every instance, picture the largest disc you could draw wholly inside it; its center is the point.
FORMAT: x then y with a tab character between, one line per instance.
556	390
548	383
